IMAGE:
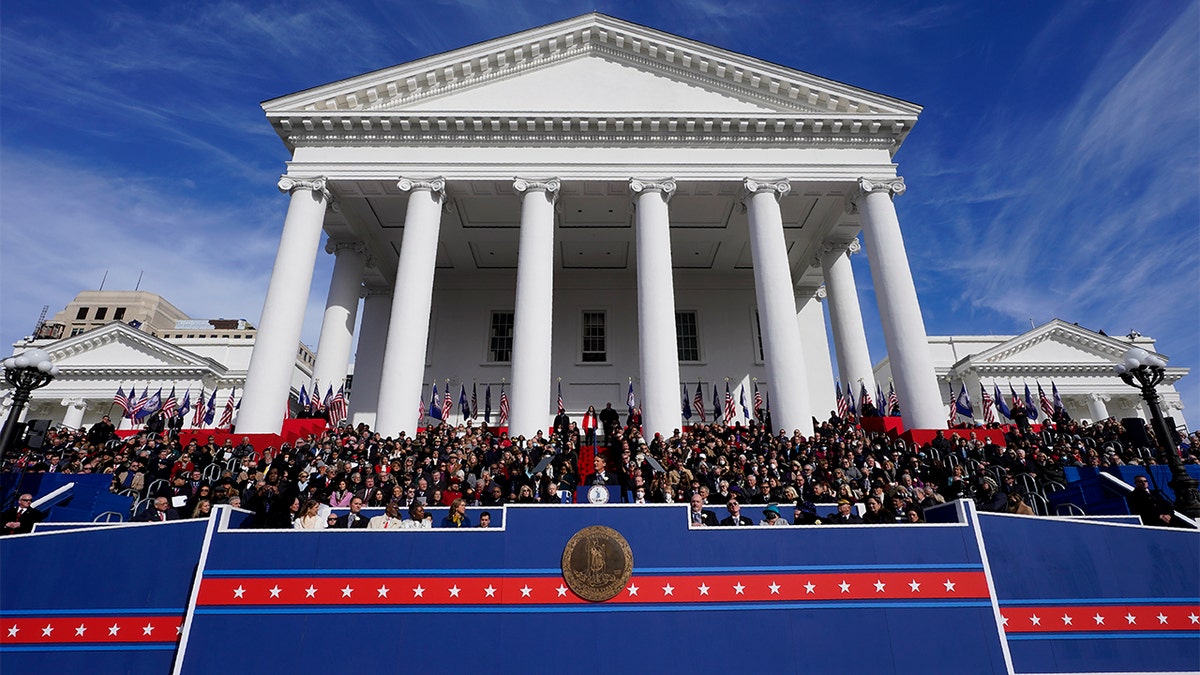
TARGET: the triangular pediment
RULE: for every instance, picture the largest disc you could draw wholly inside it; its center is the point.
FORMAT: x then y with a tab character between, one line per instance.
118	343
1056	342
592	64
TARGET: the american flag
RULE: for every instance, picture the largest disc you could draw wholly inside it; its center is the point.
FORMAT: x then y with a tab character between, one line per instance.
730	410
447	403
227	413
503	408
122	400
698	403
842	407
1044	402
864	397
758	403
989	415
337	406
141	402
953	405
893	402
561	409
314	403
420	411
170	406
198	411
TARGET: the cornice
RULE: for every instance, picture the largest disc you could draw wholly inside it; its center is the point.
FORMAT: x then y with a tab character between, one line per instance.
1069	334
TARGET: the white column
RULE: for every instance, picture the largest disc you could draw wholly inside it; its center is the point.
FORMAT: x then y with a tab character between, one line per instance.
658	350
269	376
341	310
530	398
814	346
368	361
845	317
74	416
1096	406
921	402
790	404
408	327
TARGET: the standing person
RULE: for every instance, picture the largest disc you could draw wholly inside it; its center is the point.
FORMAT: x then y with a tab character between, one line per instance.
562	427
590	422
21	518
101	432
610	420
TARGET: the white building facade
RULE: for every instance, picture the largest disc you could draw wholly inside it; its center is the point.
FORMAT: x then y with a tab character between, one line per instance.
590	205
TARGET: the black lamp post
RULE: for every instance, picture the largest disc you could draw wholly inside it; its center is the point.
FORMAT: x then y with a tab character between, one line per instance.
1144	370
29	370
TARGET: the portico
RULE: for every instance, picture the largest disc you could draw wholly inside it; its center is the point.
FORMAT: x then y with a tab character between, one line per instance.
594	203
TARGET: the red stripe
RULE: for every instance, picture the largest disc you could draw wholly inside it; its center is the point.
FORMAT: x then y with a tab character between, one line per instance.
1105	618
90	629
790	587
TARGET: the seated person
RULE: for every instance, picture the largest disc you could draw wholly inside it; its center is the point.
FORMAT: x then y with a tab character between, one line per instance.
700	516
417	520
735	519
458	514
772	517
390	520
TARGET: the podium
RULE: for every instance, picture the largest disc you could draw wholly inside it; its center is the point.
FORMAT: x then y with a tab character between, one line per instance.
584	495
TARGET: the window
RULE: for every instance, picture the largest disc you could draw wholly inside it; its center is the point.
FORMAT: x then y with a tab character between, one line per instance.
81	314
500	338
77	331
119	314
687	336
758	347
101	312
190	337
595	338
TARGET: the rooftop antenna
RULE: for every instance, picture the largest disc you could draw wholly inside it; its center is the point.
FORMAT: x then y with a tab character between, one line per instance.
141	272
103	280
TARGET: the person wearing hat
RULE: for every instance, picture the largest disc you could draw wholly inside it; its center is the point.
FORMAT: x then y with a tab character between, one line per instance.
772	518
845	515
735	519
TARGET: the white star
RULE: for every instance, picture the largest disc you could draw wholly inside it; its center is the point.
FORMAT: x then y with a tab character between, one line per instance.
454	590
178	630
310	592
810	587
633	589
347	591
949	586
1035	620
382	590
1099	619
47	630
668	589
879	586
844	586
112	630
1194	618
148	629
1066	620
525	591
1003	620
738	588
239	592
703	588
1131	618
418	592
490	591
1161	618
774	587
562	591
915	586
12	632
275	591
80	631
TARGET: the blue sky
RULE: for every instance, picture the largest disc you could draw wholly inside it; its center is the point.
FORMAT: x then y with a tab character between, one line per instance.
1055	171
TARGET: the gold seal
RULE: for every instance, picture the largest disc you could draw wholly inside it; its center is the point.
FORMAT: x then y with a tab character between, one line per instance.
597	563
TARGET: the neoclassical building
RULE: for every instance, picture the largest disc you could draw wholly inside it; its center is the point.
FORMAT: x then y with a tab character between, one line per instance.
590	205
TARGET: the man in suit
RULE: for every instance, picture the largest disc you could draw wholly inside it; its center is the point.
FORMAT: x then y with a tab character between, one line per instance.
611	420
735	519
845	515
21	518
159	513
174	426
700	516
562	426
101	431
353	520
602	476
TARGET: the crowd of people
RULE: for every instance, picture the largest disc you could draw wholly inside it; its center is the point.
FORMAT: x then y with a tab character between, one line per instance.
709	466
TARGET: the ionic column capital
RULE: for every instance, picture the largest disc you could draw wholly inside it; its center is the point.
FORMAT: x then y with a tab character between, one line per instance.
1098	397
835	249
550	186
368	291
665	187
821	293
74	402
435	185
894	187
289	184
779	187
335	246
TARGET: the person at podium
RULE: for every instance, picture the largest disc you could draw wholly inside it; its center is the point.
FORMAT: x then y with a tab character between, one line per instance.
601	476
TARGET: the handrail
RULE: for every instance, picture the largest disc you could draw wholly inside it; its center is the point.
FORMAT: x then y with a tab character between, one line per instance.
54	497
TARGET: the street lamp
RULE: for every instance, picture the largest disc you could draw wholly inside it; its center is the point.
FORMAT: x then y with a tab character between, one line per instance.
29	370
1144	370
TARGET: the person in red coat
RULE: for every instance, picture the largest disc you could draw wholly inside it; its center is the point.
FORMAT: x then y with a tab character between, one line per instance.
590	422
